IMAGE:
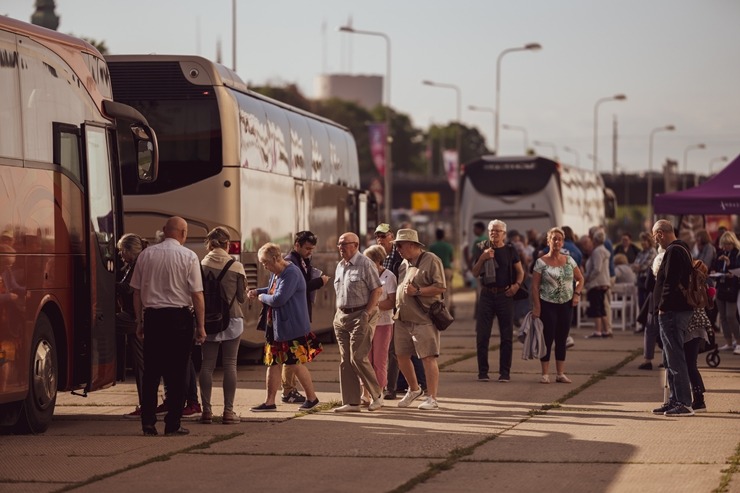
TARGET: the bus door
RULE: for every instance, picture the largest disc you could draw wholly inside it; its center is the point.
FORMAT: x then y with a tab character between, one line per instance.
95	350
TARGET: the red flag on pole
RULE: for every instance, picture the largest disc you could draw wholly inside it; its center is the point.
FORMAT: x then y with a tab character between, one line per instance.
377	145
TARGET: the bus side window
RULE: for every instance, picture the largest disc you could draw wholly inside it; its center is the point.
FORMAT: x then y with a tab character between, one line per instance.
67	148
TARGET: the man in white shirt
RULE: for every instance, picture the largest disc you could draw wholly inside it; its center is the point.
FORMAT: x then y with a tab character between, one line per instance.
168	290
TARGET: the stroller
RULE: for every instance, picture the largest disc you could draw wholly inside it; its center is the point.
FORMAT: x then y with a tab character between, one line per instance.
711	347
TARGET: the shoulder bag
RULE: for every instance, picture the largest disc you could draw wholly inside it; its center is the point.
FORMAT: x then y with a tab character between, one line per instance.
438	313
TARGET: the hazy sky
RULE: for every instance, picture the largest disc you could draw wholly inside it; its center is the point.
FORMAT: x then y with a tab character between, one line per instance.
678	62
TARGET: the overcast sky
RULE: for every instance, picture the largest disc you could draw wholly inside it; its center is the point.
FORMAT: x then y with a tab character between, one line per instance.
677	61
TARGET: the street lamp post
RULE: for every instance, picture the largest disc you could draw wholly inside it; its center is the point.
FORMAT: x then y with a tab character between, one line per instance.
458	144
521	129
686	161
388	181
720	159
616	97
575	153
497	114
667	128
547	144
487	110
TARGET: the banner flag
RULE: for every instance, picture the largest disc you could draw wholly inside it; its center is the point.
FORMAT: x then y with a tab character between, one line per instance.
378	136
451	164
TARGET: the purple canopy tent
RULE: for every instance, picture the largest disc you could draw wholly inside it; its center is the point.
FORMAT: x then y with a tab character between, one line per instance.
718	195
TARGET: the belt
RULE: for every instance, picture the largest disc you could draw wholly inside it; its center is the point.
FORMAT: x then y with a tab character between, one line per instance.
496	289
352	309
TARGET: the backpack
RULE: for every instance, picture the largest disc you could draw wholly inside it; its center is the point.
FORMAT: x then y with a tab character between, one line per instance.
696	292
217	308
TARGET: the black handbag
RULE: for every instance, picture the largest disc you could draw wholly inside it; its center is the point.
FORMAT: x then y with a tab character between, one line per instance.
727	289
438	312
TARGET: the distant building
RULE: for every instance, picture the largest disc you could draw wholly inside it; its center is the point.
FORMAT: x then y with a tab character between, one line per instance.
365	90
44	15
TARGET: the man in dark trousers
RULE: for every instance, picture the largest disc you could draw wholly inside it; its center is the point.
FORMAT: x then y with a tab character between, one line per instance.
168	291
674	314
303	247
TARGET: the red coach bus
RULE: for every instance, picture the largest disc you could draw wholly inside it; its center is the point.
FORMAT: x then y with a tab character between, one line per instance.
60	217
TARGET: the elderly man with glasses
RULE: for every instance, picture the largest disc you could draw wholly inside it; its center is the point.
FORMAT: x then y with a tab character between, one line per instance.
358	289
501	275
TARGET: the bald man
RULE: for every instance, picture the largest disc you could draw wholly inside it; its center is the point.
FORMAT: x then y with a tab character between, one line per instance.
168	293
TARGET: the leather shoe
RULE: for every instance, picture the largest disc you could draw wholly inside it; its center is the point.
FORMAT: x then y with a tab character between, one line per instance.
646	366
179	431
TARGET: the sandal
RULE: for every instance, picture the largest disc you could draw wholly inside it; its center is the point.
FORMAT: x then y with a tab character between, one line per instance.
563	379
595	335
206	418
545	379
230	418
608	334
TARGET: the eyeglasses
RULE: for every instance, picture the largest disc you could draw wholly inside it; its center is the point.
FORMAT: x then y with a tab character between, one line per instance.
381	235
499	231
346	243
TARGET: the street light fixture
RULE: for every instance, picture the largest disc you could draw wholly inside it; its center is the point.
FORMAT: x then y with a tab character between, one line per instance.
388	181
721	159
456	205
547	144
616	97
686	161
520	129
578	156
527	47
667	128
487	110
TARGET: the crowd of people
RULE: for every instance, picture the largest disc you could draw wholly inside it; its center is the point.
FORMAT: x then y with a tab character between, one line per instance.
382	323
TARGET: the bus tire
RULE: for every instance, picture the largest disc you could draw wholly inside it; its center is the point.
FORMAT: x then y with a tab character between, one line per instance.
38	408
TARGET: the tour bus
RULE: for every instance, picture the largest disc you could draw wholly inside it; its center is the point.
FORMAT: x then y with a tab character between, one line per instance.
60	217
532	192
231	157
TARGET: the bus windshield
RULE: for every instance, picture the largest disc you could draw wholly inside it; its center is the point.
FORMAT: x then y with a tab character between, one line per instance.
514	177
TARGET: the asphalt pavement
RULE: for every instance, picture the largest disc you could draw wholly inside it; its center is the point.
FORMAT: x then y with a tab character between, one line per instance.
595	434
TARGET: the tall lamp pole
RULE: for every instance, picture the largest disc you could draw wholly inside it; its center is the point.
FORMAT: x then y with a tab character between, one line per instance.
667	128
456	208
721	159
616	97
575	153
547	144
520	129
487	110
388	182
497	114
686	161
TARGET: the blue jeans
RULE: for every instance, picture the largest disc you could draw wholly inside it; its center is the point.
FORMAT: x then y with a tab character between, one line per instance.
673	327
492	305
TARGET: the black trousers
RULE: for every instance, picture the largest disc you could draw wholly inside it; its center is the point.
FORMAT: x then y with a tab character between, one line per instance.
168	339
492	305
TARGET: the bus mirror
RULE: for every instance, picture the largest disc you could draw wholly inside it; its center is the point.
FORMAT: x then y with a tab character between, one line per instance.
147	157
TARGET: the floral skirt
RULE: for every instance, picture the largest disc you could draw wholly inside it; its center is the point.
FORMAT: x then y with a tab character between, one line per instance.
301	350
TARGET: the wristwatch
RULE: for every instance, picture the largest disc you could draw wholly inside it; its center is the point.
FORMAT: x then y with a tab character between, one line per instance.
418	291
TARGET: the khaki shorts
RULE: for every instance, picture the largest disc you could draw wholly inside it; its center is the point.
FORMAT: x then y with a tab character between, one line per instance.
420	339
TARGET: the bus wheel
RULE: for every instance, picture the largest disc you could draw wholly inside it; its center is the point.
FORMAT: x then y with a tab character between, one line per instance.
38	408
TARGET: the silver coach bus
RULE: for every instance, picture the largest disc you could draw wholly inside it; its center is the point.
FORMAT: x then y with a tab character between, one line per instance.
231	157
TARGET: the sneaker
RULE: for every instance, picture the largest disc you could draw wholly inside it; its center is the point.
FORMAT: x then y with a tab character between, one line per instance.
563	379
262	408
570	342
726	347
483	377
545	379
178	432
409	397
737	350
191	411
667	406
376	404
161	409
230	418
135	414
504	378
347	408
429	404
595	335
309	404
646	366
293	397
680	411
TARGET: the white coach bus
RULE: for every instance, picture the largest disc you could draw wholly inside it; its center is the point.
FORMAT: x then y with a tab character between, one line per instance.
532	192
